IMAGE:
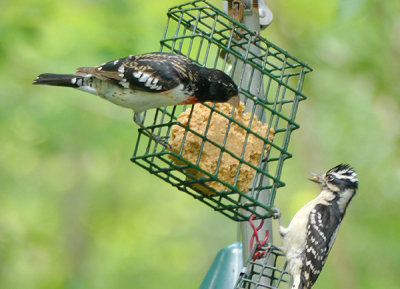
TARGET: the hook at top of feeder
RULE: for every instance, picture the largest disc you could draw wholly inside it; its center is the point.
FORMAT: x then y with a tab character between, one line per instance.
238	8
265	13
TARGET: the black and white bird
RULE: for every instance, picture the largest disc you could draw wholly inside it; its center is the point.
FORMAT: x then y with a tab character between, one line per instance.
150	80
310	235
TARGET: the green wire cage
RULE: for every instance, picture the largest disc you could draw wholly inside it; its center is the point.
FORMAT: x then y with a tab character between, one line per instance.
269	273
270	83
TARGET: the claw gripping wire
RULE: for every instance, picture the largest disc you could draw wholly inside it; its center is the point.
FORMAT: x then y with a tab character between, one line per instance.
258	254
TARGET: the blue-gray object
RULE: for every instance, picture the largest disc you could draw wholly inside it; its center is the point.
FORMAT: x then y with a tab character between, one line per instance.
225	269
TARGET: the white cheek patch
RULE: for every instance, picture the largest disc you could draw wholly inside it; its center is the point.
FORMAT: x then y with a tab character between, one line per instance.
332	187
353	178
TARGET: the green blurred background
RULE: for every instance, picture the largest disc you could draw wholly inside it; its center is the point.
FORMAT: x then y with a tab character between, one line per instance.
76	213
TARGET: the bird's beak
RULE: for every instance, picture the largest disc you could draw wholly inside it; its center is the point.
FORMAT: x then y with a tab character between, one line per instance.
316	178
234	100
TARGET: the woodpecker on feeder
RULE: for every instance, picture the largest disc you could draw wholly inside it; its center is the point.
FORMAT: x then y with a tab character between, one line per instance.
310	235
150	80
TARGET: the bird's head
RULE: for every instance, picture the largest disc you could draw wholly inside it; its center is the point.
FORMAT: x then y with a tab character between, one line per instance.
218	87
338	179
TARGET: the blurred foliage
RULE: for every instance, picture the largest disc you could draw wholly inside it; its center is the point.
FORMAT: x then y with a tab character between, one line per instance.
76	213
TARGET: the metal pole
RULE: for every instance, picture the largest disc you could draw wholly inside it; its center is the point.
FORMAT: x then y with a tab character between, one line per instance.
243	76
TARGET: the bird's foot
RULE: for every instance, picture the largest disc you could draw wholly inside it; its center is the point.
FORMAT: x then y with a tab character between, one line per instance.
277	214
162	140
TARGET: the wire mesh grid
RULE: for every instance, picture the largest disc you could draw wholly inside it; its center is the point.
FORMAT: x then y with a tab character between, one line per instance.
270	83
270	273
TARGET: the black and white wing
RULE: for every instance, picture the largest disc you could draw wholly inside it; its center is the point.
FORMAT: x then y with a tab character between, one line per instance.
322	227
150	72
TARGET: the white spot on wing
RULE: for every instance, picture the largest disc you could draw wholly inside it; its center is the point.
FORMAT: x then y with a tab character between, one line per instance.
144	77
148	82
153	84
121	71
116	61
137	74
73	80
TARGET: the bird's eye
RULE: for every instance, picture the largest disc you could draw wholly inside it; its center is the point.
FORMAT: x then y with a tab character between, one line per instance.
330	178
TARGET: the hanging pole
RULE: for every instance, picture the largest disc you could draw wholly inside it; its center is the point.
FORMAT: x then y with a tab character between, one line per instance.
247	12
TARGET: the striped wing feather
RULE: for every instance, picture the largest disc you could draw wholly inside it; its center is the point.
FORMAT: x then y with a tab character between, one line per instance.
151	72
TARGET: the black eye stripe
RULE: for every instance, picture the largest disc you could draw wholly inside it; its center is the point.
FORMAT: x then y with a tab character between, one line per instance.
342	176
332	177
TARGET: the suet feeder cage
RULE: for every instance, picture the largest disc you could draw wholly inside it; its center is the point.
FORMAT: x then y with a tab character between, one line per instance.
270	83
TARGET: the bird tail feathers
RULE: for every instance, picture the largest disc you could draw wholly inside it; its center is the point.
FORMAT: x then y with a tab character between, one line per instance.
297	283
67	80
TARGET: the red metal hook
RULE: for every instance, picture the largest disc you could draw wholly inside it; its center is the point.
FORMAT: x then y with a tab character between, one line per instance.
258	254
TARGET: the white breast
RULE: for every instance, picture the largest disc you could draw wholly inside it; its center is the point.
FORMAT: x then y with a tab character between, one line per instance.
295	238
139	100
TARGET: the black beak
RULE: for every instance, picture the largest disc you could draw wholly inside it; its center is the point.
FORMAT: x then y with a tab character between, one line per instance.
316	178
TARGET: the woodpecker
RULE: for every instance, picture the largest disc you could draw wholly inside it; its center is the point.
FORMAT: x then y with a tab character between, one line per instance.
310	235
150	80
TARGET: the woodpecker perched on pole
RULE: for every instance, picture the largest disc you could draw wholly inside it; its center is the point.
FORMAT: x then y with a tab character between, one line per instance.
150	80
310	235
